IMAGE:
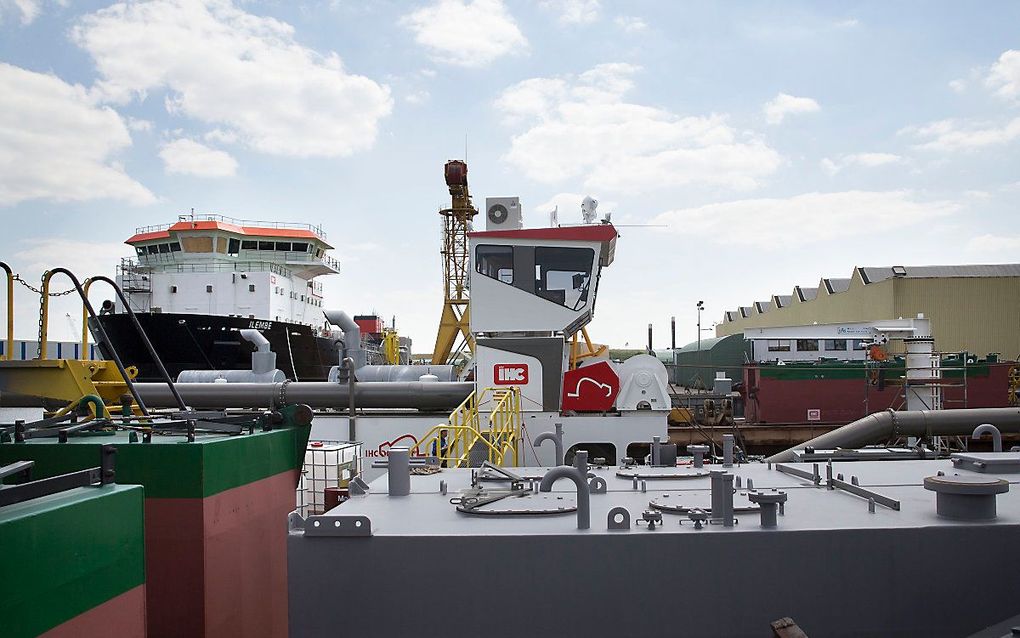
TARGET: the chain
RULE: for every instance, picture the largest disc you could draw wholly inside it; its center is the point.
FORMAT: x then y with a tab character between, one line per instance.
38	291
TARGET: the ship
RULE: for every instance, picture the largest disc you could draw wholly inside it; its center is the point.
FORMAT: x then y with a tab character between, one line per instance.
195	284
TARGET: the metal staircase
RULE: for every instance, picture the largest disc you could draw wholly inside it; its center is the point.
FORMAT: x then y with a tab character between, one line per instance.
471	436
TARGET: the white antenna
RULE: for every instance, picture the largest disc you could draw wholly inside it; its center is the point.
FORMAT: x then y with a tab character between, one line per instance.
554	217
588	206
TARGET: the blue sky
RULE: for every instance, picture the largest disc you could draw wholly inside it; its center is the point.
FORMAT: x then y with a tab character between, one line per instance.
744	148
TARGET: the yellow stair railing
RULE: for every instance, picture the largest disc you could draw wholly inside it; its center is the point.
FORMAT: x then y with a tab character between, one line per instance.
500	433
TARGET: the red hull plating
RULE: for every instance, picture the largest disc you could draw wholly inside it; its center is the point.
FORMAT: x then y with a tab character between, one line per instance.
123	615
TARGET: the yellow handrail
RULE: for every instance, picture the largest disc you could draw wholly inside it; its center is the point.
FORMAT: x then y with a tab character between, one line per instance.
453	441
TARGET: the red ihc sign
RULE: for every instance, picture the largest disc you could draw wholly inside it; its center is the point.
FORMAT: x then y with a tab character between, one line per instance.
510	374
592	388
814	414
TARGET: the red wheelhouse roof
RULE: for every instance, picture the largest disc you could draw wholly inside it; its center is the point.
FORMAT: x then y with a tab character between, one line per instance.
588	232
247	231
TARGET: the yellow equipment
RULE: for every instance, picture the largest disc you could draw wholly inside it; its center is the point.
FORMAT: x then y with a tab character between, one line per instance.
454	324
391	346
498	436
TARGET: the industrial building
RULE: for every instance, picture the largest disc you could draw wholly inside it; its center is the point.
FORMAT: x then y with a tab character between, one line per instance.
974	308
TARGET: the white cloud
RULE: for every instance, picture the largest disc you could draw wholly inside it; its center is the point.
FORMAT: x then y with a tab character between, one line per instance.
991	246
962	135
766	223
783	104
1004	76
25	10
631	24
582	127
864	160
470	33
238	71
849	23
958	85
188	157
140	126
57	144
574	11
418	97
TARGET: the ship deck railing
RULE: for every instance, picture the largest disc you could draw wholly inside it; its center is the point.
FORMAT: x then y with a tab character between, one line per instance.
155	228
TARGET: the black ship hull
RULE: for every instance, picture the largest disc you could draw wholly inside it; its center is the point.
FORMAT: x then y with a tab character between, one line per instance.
206	342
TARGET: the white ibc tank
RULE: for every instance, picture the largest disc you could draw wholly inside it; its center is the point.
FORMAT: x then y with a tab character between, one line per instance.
644	384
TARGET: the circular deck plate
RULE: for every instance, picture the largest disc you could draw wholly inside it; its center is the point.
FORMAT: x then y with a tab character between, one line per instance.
661	474
542	504
682	503
966	484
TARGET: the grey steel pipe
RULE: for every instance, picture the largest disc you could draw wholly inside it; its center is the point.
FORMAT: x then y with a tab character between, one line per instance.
352	394
557	440
317	394
883	425
583	497
988	428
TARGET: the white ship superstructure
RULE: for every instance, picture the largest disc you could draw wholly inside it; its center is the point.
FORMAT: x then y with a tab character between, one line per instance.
216	265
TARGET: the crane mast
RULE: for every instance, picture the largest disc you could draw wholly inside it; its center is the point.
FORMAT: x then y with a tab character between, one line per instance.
454	337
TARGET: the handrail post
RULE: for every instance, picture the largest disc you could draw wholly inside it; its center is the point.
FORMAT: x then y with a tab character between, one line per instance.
44	318
9	354
85	319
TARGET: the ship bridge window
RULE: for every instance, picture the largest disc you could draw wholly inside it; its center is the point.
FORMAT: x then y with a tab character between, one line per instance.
249	245
153	249
164	248
299	247
496	262
283	246
234	247
175	247
563	275
140	250
779	345
265	245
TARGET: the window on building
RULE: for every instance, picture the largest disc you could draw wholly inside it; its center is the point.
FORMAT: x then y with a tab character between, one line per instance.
835	345
859	345
153	249
234	247
175	247
248	244
283	246
807	345
251	287
265	245
563	275
164	248
299	247
140	250
779	345
496	262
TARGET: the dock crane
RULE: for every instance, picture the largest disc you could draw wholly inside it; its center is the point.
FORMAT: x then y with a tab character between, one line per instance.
454	327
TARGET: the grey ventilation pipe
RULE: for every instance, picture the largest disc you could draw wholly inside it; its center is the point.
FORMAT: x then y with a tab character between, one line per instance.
352	335
583	497
988	428
884	425
557	440
263	359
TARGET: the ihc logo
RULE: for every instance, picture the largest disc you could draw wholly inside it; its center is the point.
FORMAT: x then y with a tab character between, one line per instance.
510	374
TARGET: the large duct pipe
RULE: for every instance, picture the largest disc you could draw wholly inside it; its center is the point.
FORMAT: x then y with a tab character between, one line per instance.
352	335
317	394
884	425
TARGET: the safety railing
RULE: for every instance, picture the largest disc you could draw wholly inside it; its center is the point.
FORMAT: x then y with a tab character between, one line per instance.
499	435
9	350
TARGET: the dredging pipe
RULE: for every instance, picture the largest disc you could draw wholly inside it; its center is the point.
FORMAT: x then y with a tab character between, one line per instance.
884	425
436	395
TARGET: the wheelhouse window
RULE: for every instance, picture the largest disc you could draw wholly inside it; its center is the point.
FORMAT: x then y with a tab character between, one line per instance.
249	245
563	275
807	345
779	345
299	247
496	262
266	245
283	246
234	247
175	247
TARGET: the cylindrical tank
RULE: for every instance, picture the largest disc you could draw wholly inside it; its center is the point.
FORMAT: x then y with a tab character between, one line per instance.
231	376
923	374
392	374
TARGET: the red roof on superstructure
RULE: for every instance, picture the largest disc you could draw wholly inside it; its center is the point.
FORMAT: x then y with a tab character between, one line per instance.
588	232
248	231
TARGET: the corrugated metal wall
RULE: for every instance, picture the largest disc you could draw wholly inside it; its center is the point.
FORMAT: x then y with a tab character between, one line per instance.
977	314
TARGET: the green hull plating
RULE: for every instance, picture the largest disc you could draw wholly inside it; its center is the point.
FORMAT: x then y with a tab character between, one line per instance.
67	553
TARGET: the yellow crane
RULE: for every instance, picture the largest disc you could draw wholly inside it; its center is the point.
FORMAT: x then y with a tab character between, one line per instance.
454	337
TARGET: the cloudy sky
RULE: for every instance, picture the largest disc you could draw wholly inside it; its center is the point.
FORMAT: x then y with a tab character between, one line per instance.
744	148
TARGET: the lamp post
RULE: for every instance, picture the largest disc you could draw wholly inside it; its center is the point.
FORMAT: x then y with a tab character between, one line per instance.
701	306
